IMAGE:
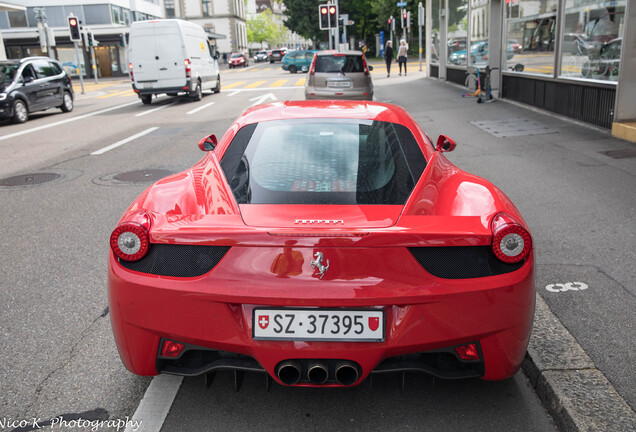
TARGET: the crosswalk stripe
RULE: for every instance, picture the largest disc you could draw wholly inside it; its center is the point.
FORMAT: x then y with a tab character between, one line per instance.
255	84
278	83
235	84
301	82
120	93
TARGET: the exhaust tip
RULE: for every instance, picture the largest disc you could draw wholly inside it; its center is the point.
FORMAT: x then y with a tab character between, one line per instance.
289	372
347	373
317	373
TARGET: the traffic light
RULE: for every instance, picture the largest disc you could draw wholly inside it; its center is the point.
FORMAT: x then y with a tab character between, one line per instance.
74	29
389	24
404	19
323	12
333	16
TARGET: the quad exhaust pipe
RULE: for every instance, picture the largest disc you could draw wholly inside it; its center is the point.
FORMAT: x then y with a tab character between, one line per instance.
318	371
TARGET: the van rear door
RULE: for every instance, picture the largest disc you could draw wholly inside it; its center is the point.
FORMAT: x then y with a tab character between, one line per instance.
157	55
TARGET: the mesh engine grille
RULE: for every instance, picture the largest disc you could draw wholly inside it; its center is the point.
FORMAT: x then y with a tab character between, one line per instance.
178	260
461	262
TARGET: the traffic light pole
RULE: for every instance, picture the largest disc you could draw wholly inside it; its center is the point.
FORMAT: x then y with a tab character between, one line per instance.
79	66
337	27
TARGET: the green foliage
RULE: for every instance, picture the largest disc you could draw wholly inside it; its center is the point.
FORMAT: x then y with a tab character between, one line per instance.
261	28
302	18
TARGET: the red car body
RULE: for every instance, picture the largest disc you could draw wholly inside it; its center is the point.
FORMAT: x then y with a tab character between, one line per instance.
200	324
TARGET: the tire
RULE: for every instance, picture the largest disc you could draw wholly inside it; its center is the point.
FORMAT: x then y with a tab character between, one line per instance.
217	89
20	111
197	95
146	99
293	69
67	104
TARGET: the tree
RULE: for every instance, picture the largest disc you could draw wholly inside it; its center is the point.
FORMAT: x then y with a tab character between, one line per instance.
262	28
302	18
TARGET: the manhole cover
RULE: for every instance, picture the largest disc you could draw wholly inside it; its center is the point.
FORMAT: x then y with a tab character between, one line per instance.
29	179
143	176
513	127
621	154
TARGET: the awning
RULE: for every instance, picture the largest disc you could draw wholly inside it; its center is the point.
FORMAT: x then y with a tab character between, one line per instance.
215	35
4	7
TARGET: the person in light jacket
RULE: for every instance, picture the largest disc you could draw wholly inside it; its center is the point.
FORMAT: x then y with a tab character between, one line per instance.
402	54
388	57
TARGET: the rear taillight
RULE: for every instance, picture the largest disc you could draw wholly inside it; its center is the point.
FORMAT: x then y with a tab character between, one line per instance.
312	70
130	68
364	64
188	71
511	241
130	241
171	349
468	352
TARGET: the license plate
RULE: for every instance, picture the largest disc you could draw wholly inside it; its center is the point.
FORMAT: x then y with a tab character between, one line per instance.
350	325
147	85
339	84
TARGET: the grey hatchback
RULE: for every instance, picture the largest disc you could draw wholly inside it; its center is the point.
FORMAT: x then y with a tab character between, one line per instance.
339	75
33	84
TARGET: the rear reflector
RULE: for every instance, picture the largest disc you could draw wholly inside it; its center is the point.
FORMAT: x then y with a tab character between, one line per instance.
468	352
171	349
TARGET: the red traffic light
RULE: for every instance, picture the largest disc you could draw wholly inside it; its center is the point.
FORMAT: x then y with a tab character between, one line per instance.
332	10
72	22
323	11
404	15
389	20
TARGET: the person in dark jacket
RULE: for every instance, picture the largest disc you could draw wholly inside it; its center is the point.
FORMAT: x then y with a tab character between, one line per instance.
388	57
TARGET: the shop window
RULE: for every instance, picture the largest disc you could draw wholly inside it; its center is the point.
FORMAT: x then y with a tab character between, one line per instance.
592	40
434	32
169	5
531	35
4	20
97	14
456	34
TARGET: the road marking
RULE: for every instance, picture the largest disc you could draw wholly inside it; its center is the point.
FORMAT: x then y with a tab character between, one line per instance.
568	286
115	94
155	405
255	84
278	83
72	119
200	108
124	141
229	86
237	91
301	82
266	69
263	98
154	109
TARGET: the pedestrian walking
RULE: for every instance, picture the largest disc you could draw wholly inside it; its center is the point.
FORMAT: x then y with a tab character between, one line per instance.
388	57
402	55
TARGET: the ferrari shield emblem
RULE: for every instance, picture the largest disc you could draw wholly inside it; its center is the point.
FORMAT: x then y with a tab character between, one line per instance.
263	321
374	323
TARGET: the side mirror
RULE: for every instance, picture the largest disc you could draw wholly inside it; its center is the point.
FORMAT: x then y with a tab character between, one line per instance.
208	143
445	144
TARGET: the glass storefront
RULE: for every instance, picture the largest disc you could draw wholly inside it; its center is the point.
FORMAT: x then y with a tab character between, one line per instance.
435	32
457	35
592	39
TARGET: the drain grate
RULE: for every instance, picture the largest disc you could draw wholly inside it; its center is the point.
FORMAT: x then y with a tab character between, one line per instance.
620	154
29	179
143	176
513	127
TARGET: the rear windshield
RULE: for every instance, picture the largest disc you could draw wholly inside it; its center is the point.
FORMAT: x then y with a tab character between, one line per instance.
339	63
323	161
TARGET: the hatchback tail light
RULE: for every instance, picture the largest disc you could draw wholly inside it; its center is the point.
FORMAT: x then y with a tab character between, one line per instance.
364	64
312	70
511	241
130	240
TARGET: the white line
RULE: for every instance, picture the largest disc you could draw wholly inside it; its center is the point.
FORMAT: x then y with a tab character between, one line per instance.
124	141
154	109
200	108
235	91
153	408
83	116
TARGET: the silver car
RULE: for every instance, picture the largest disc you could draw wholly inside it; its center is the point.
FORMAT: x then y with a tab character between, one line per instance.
339	75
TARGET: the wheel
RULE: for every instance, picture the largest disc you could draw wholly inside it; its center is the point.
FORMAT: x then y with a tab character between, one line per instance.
146	99
293	69
197	95
217	89
478	100
20	111
230	66
67	104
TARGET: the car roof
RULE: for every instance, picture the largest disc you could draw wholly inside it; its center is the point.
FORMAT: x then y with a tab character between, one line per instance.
332	52
336	109
25	59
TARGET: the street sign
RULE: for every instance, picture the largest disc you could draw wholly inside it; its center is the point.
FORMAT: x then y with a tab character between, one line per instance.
401	4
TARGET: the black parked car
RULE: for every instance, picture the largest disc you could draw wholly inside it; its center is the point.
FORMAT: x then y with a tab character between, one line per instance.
33	84
276	55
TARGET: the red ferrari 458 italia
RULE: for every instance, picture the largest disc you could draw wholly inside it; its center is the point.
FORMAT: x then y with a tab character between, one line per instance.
319	242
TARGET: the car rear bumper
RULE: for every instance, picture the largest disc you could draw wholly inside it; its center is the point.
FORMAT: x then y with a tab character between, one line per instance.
160	90
212	312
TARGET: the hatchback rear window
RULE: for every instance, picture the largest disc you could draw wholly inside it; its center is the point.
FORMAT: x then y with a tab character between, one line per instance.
339	63
323	161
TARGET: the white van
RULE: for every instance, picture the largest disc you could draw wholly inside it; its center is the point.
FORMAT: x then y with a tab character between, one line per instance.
171	56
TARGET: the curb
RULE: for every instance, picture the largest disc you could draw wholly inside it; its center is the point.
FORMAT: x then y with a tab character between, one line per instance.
576	394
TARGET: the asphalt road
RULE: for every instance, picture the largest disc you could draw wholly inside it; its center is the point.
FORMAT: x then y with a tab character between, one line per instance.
58	356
